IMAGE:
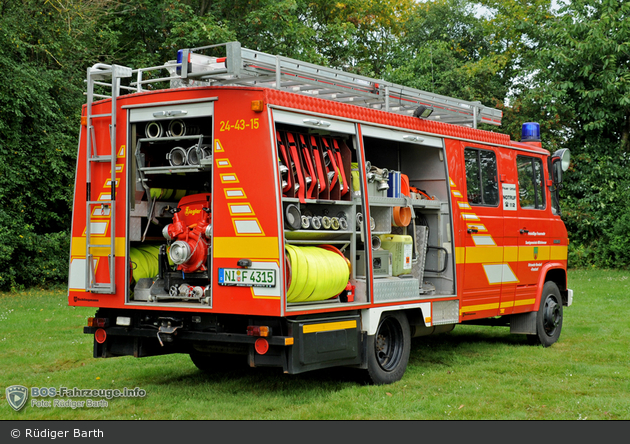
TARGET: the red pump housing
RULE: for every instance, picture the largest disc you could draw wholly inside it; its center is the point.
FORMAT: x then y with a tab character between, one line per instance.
190	233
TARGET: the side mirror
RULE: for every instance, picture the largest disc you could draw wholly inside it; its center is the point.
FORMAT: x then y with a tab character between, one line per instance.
560	161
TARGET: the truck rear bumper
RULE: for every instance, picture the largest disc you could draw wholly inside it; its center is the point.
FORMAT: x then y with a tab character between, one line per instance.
295	345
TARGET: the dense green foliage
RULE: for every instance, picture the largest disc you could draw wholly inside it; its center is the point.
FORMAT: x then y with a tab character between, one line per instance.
563	65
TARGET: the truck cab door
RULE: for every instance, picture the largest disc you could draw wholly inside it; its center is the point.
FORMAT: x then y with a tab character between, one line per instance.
482	226
533	231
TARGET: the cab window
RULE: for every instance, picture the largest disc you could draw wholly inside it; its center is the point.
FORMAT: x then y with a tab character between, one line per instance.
531	192
481	177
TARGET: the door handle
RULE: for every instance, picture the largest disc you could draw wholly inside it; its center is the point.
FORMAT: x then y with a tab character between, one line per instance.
472	230
316	122
524	231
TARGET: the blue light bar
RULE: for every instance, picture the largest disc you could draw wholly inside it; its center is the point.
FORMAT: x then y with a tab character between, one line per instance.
530	132
179	60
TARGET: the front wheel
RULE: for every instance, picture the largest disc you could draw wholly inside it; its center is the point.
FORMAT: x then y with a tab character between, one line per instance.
388	350
549	317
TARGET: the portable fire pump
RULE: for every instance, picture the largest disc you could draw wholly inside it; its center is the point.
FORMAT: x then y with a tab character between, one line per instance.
242	205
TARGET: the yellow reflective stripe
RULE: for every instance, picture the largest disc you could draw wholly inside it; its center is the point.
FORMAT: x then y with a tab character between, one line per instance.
558	253
329	326
475	308
524	302
460	255
479	255
78	246
487	255
246	247
510	254
540	253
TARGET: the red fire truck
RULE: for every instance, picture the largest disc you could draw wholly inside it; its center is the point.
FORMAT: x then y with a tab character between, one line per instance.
248	206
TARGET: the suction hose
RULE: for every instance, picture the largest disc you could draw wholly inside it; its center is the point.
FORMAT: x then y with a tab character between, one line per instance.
317	273
145	259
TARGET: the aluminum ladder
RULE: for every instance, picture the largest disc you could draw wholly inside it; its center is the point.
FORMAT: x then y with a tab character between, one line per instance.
246	67
98	75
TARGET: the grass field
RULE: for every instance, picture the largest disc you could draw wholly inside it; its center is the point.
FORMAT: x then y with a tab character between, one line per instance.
471	373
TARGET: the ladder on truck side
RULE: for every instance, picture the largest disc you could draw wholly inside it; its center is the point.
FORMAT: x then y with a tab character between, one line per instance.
97	75
247	67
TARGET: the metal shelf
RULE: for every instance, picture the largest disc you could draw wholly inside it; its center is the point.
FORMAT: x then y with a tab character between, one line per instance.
318	235
174	169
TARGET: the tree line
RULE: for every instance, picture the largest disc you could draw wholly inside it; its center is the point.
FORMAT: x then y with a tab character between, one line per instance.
564	64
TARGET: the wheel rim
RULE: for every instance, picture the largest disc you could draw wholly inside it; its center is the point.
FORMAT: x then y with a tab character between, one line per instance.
552	315
388	344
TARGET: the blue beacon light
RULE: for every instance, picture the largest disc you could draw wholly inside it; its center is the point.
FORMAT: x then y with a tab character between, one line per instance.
530	132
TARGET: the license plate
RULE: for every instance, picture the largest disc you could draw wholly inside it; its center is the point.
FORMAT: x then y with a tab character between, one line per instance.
247	277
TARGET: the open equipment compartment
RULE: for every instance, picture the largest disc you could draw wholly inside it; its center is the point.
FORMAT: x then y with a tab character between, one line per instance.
318	209
171	164
416	201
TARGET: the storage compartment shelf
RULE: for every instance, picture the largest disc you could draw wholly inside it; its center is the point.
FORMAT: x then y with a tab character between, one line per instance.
402	202
316	201
175	169
319	235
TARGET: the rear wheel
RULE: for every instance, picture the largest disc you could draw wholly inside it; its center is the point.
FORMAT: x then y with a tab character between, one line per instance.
549	317
388	350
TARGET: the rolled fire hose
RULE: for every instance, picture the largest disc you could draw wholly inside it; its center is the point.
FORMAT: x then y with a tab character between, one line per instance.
145	259
154	130
177	156
192	156
292	217
356	187
317	274
376	242
178	128
169	194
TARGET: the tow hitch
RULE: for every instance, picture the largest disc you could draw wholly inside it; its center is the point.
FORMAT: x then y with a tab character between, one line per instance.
168	327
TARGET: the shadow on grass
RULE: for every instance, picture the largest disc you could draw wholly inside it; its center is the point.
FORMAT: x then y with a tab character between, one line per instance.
435	351
465	341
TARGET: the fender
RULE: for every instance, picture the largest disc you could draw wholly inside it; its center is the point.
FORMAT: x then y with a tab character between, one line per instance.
543	278
370	317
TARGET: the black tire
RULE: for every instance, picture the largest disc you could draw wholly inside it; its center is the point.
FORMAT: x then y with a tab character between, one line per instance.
549	317
388	350
217	362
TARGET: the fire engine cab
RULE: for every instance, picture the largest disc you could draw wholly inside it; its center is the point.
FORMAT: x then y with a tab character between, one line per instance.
242	205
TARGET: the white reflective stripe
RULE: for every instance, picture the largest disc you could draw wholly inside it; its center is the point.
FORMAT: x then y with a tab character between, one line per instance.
98	227
478	227
241	209
100	211
499	273
483	239
469	216
371	317
234	193
264	291
247	227
77	273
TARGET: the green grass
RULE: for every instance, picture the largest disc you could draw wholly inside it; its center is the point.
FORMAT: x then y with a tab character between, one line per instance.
470	373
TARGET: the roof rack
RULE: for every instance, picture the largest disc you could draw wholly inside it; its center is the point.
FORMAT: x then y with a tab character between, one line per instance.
247	67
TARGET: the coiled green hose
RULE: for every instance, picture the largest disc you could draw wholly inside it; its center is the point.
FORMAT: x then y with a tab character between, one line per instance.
316	274
145	259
